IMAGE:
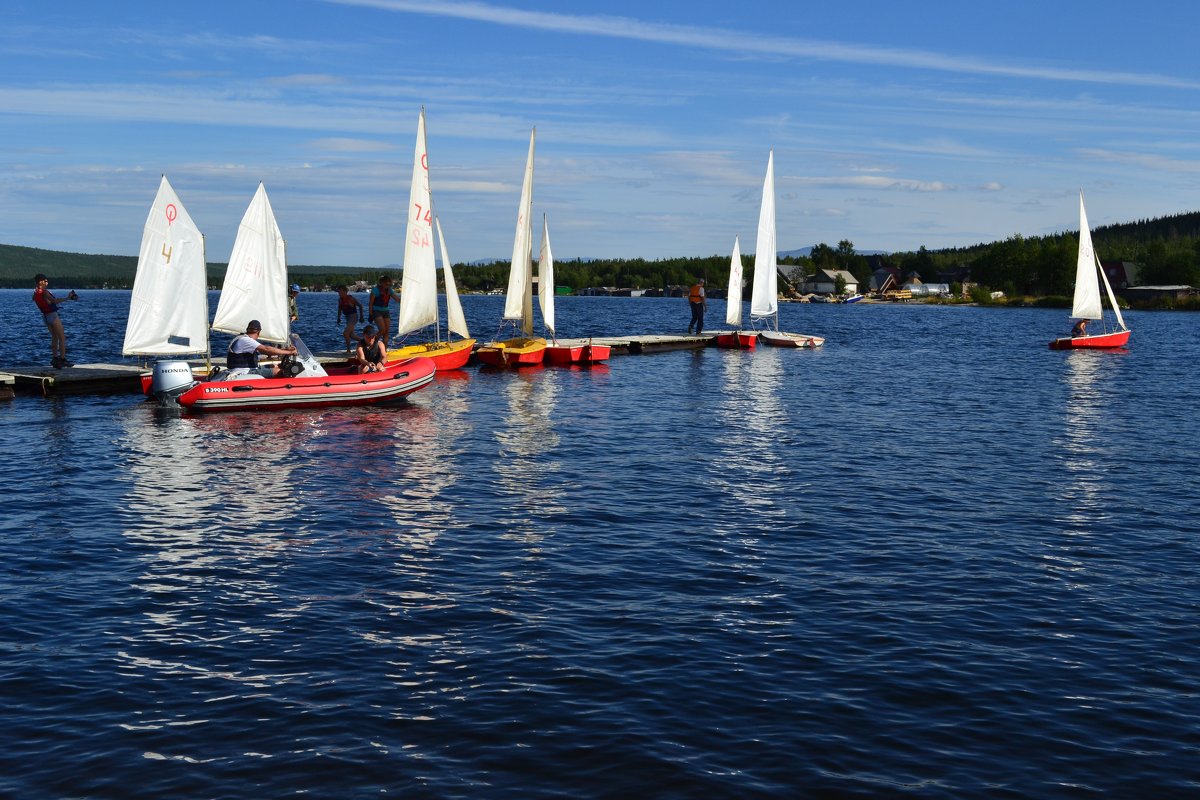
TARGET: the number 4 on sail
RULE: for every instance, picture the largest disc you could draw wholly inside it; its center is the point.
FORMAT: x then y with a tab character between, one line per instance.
1088	304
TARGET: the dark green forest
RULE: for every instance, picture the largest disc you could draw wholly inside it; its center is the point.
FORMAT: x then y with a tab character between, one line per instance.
1167	250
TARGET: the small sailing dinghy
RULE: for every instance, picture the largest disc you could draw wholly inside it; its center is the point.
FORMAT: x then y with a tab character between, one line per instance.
256	288
524	349
764	295
168	309
561	351
1088	304
418	295
733	312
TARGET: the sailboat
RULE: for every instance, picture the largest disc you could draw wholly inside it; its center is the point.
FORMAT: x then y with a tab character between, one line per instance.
418	294
561	351
168	309
733	312
256	288
1088	303
764	296
525	349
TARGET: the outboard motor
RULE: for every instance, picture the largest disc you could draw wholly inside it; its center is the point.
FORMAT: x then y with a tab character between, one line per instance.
171	379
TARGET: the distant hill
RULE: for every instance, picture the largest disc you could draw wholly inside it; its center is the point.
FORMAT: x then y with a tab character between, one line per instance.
18	265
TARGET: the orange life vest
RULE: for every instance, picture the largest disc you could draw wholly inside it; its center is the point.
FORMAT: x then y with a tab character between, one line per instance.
696	295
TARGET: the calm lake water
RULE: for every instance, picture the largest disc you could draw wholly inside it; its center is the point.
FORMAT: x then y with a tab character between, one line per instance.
932	559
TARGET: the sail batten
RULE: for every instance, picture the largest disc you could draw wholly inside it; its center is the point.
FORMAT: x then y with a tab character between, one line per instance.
733	312
764	295
256	279
418	287
168	309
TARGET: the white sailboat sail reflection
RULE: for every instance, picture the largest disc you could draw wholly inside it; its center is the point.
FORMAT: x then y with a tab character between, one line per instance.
1079	444
528	434
202	542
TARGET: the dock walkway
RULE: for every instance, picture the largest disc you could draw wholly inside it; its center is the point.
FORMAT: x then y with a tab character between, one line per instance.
116	378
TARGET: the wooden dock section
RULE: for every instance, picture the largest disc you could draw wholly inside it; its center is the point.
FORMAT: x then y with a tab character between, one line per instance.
114	378
647	343
80	379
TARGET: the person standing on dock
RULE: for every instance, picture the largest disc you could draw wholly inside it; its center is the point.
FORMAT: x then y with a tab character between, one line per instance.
380	298
352	310
293	309
698	302
48	304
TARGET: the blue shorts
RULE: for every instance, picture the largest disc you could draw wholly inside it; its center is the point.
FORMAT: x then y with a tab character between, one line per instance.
50	318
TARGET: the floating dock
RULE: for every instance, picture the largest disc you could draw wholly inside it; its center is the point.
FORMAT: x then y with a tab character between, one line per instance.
120	378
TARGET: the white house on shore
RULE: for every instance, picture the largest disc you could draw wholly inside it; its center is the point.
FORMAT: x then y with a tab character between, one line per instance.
824	281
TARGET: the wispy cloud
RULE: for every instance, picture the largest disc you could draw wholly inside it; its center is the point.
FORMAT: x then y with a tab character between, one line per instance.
746	44
871	182
1152	161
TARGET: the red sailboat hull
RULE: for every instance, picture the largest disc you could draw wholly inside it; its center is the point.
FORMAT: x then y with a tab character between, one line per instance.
577	353
1101	340
445	355
521	352
740	339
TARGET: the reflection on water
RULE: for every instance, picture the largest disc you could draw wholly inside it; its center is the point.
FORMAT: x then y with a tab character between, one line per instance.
425	464
750	421
1082	439
526	434
1081	451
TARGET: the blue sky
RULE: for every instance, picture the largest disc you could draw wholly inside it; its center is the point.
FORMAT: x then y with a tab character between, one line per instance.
894	125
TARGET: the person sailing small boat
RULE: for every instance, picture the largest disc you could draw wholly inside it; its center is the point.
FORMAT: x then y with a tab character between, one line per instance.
1080	328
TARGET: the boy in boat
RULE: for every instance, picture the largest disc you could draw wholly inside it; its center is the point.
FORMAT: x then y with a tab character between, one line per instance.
372	355
352	310
1080	328
48	304
242	356
698	303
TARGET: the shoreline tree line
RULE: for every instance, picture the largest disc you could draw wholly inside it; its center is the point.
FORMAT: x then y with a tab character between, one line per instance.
1166	250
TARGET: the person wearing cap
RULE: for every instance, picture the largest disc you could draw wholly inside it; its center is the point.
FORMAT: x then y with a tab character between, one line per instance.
242	356
48	304
293	309
372	355
380	300
698	303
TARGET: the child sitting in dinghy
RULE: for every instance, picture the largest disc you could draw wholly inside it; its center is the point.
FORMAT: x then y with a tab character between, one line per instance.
372	355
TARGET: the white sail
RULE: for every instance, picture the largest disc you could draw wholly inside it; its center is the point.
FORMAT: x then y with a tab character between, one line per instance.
168	311
418	288
733	313
1087	287
1112	299
456	321
546	278
764	296
518	302
256	279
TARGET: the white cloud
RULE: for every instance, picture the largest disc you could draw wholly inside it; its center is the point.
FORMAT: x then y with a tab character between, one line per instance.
754	44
